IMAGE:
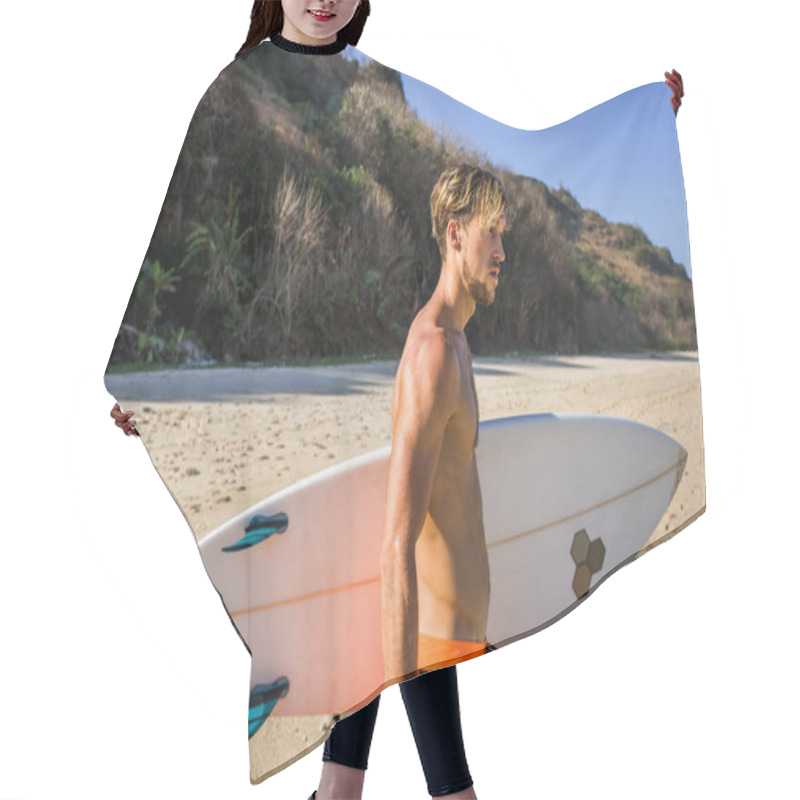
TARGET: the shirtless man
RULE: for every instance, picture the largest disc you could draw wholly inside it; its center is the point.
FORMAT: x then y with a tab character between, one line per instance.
434	564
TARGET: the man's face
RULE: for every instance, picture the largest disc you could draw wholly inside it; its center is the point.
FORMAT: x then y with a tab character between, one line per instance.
482	256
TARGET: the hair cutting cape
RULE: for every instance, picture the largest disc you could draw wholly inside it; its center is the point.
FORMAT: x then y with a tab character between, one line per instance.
260	344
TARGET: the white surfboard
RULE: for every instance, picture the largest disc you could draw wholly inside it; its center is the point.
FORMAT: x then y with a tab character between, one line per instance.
567	500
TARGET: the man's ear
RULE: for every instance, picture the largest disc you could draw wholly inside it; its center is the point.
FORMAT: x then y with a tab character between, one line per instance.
454	234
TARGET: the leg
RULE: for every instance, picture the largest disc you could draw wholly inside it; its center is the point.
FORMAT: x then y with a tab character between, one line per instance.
345	755
433	711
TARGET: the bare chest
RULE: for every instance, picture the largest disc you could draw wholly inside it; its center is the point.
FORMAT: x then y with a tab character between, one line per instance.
462	429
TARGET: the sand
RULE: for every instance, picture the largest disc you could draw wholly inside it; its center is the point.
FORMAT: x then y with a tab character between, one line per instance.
225	438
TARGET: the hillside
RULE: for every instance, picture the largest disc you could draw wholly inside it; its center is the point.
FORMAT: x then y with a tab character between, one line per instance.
297	226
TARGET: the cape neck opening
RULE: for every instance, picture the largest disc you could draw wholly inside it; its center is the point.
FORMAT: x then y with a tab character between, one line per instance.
308	49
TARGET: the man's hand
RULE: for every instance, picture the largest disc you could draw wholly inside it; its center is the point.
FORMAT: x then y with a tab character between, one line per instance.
124	420
675	82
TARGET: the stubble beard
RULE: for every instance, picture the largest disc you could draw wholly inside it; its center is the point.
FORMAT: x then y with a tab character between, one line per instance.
479	292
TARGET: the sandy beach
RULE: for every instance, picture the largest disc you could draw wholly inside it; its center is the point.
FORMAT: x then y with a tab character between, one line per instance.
225	438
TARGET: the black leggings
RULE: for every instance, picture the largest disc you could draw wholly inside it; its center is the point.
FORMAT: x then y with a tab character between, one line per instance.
432	706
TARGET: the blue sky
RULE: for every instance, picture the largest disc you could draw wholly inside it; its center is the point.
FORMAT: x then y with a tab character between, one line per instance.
619	158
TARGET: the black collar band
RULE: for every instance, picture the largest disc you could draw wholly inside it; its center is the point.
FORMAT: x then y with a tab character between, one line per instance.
309	49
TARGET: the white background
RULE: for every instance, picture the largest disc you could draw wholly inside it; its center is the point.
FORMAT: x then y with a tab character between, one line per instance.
119	674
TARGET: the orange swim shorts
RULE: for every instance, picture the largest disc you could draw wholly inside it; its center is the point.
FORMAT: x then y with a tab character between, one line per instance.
434	653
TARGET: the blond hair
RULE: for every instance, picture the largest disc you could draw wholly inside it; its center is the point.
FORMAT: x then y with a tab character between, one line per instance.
464	193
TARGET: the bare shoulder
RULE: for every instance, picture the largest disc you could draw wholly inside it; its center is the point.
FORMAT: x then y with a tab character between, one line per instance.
430	353
429	374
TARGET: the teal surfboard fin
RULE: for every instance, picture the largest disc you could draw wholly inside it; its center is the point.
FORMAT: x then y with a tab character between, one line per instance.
263	699
258	529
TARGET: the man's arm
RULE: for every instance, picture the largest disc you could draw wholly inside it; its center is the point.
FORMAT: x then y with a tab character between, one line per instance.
428	397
